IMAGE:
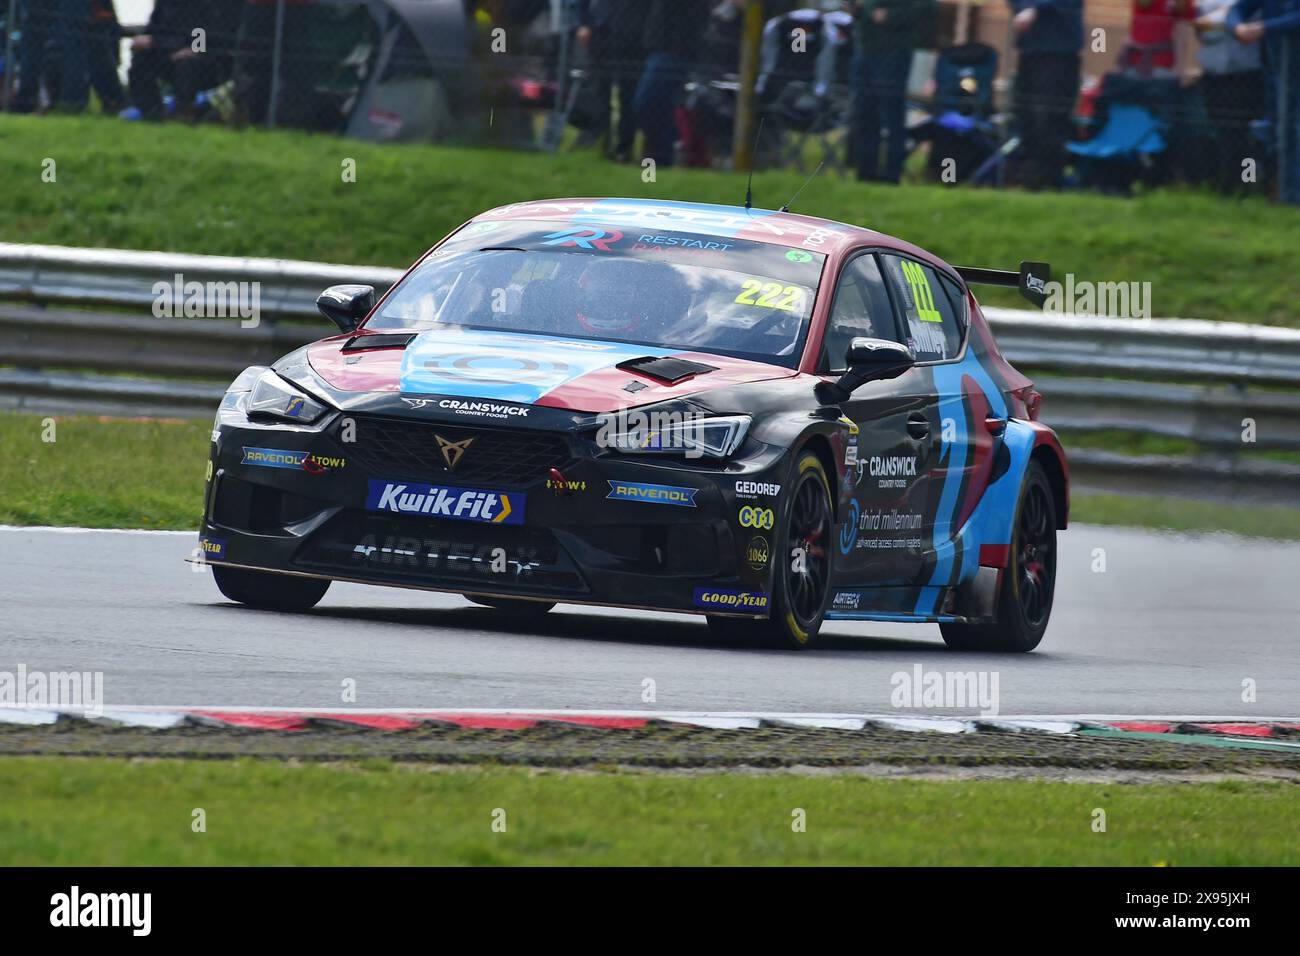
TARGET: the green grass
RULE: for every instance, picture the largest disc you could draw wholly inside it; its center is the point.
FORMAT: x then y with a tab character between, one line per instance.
149	474
102	473
214	190
89	812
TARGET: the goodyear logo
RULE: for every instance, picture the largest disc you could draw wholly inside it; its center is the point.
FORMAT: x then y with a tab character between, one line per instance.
294	460
761	518
653	494
731	600
213	548
440	501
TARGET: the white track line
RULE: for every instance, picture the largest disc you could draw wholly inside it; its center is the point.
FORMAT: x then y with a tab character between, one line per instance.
49	529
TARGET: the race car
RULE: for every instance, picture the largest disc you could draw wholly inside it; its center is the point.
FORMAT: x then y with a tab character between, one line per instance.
765	418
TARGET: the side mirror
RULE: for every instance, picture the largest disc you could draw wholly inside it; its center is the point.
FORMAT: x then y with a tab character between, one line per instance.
346	305
867	360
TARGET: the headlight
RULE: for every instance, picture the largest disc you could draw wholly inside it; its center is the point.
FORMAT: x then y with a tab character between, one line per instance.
275	397
673	433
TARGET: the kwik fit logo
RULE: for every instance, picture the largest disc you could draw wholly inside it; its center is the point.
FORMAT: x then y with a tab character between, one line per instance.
439	501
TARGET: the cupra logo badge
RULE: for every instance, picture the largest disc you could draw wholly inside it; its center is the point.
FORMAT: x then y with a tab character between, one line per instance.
453	451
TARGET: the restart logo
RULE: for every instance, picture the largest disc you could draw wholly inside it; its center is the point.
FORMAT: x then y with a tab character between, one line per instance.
439	501
730	600
652	494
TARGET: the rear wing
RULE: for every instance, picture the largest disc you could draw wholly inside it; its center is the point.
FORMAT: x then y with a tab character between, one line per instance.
1031	280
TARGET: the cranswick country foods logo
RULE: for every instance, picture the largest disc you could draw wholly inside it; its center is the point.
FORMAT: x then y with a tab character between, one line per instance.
731	600
440	501
654	494
296	460
480	409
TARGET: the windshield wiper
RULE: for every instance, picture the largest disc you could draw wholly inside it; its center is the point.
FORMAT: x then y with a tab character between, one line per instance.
502	249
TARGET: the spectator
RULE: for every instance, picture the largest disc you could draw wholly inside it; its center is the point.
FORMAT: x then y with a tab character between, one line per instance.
66	23
103	45
885	33
1049	36
673	29
1232	88
1279	28
610	33
254	60
166	51
1151	37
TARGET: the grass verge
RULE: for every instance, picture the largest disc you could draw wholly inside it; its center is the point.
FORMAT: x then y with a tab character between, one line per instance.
210	190
100	473
89	812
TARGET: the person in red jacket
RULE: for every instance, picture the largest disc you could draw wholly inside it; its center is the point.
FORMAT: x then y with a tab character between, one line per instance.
1151	36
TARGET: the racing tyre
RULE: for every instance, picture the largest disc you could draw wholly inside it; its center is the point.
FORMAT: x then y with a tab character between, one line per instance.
799	588
1029	582
271	592
512	605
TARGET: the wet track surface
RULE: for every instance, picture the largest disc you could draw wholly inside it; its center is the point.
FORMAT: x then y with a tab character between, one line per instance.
1174	625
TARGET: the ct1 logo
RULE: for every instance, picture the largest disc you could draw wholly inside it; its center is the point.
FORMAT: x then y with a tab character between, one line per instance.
760	518
584	238
849	533
496	368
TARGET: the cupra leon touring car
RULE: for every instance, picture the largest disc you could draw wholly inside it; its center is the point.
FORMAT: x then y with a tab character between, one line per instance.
766	418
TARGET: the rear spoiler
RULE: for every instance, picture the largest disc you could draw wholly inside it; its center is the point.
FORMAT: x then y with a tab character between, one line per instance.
1031	280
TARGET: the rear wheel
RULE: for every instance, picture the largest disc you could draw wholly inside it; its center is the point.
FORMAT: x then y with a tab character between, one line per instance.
271	592
801	578
511	605
1029	581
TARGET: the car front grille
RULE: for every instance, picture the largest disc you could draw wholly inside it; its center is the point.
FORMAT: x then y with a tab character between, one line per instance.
394	448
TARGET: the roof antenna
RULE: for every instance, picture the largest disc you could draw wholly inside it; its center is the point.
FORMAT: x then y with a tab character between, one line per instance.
749	186
786	207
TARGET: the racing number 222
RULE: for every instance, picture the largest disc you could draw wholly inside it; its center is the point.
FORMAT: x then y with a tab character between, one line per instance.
791	296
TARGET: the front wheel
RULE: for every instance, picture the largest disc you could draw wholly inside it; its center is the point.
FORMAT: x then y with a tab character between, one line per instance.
801	578
1029	581
270	592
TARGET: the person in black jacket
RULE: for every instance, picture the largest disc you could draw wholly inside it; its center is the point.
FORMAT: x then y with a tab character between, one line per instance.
670	41
885	34
169	51
1049	37
610	32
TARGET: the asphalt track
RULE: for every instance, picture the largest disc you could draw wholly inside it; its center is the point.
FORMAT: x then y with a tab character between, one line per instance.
1174	625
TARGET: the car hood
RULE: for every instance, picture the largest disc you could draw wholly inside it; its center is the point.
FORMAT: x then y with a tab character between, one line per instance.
581	375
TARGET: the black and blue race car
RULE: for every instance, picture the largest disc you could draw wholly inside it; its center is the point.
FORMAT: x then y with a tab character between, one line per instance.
765	418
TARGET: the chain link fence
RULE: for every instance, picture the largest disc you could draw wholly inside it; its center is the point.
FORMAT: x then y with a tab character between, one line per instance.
1104	94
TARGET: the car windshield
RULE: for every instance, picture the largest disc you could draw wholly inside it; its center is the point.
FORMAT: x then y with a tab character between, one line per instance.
672	290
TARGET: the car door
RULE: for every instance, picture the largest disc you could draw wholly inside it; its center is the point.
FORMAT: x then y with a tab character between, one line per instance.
879	537
930	308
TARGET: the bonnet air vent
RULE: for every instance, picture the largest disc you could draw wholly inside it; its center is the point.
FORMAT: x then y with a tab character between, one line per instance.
670	370
378	340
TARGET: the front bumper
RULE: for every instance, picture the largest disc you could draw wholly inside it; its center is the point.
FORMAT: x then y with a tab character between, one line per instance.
617	530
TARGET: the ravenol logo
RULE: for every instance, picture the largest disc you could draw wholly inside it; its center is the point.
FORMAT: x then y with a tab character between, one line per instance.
655	494
438	501
731	600
296	460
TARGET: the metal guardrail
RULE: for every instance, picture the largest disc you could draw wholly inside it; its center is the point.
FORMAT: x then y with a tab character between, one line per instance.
1118	374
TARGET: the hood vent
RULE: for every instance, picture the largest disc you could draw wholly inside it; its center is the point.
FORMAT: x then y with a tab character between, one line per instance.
669	370
378	340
